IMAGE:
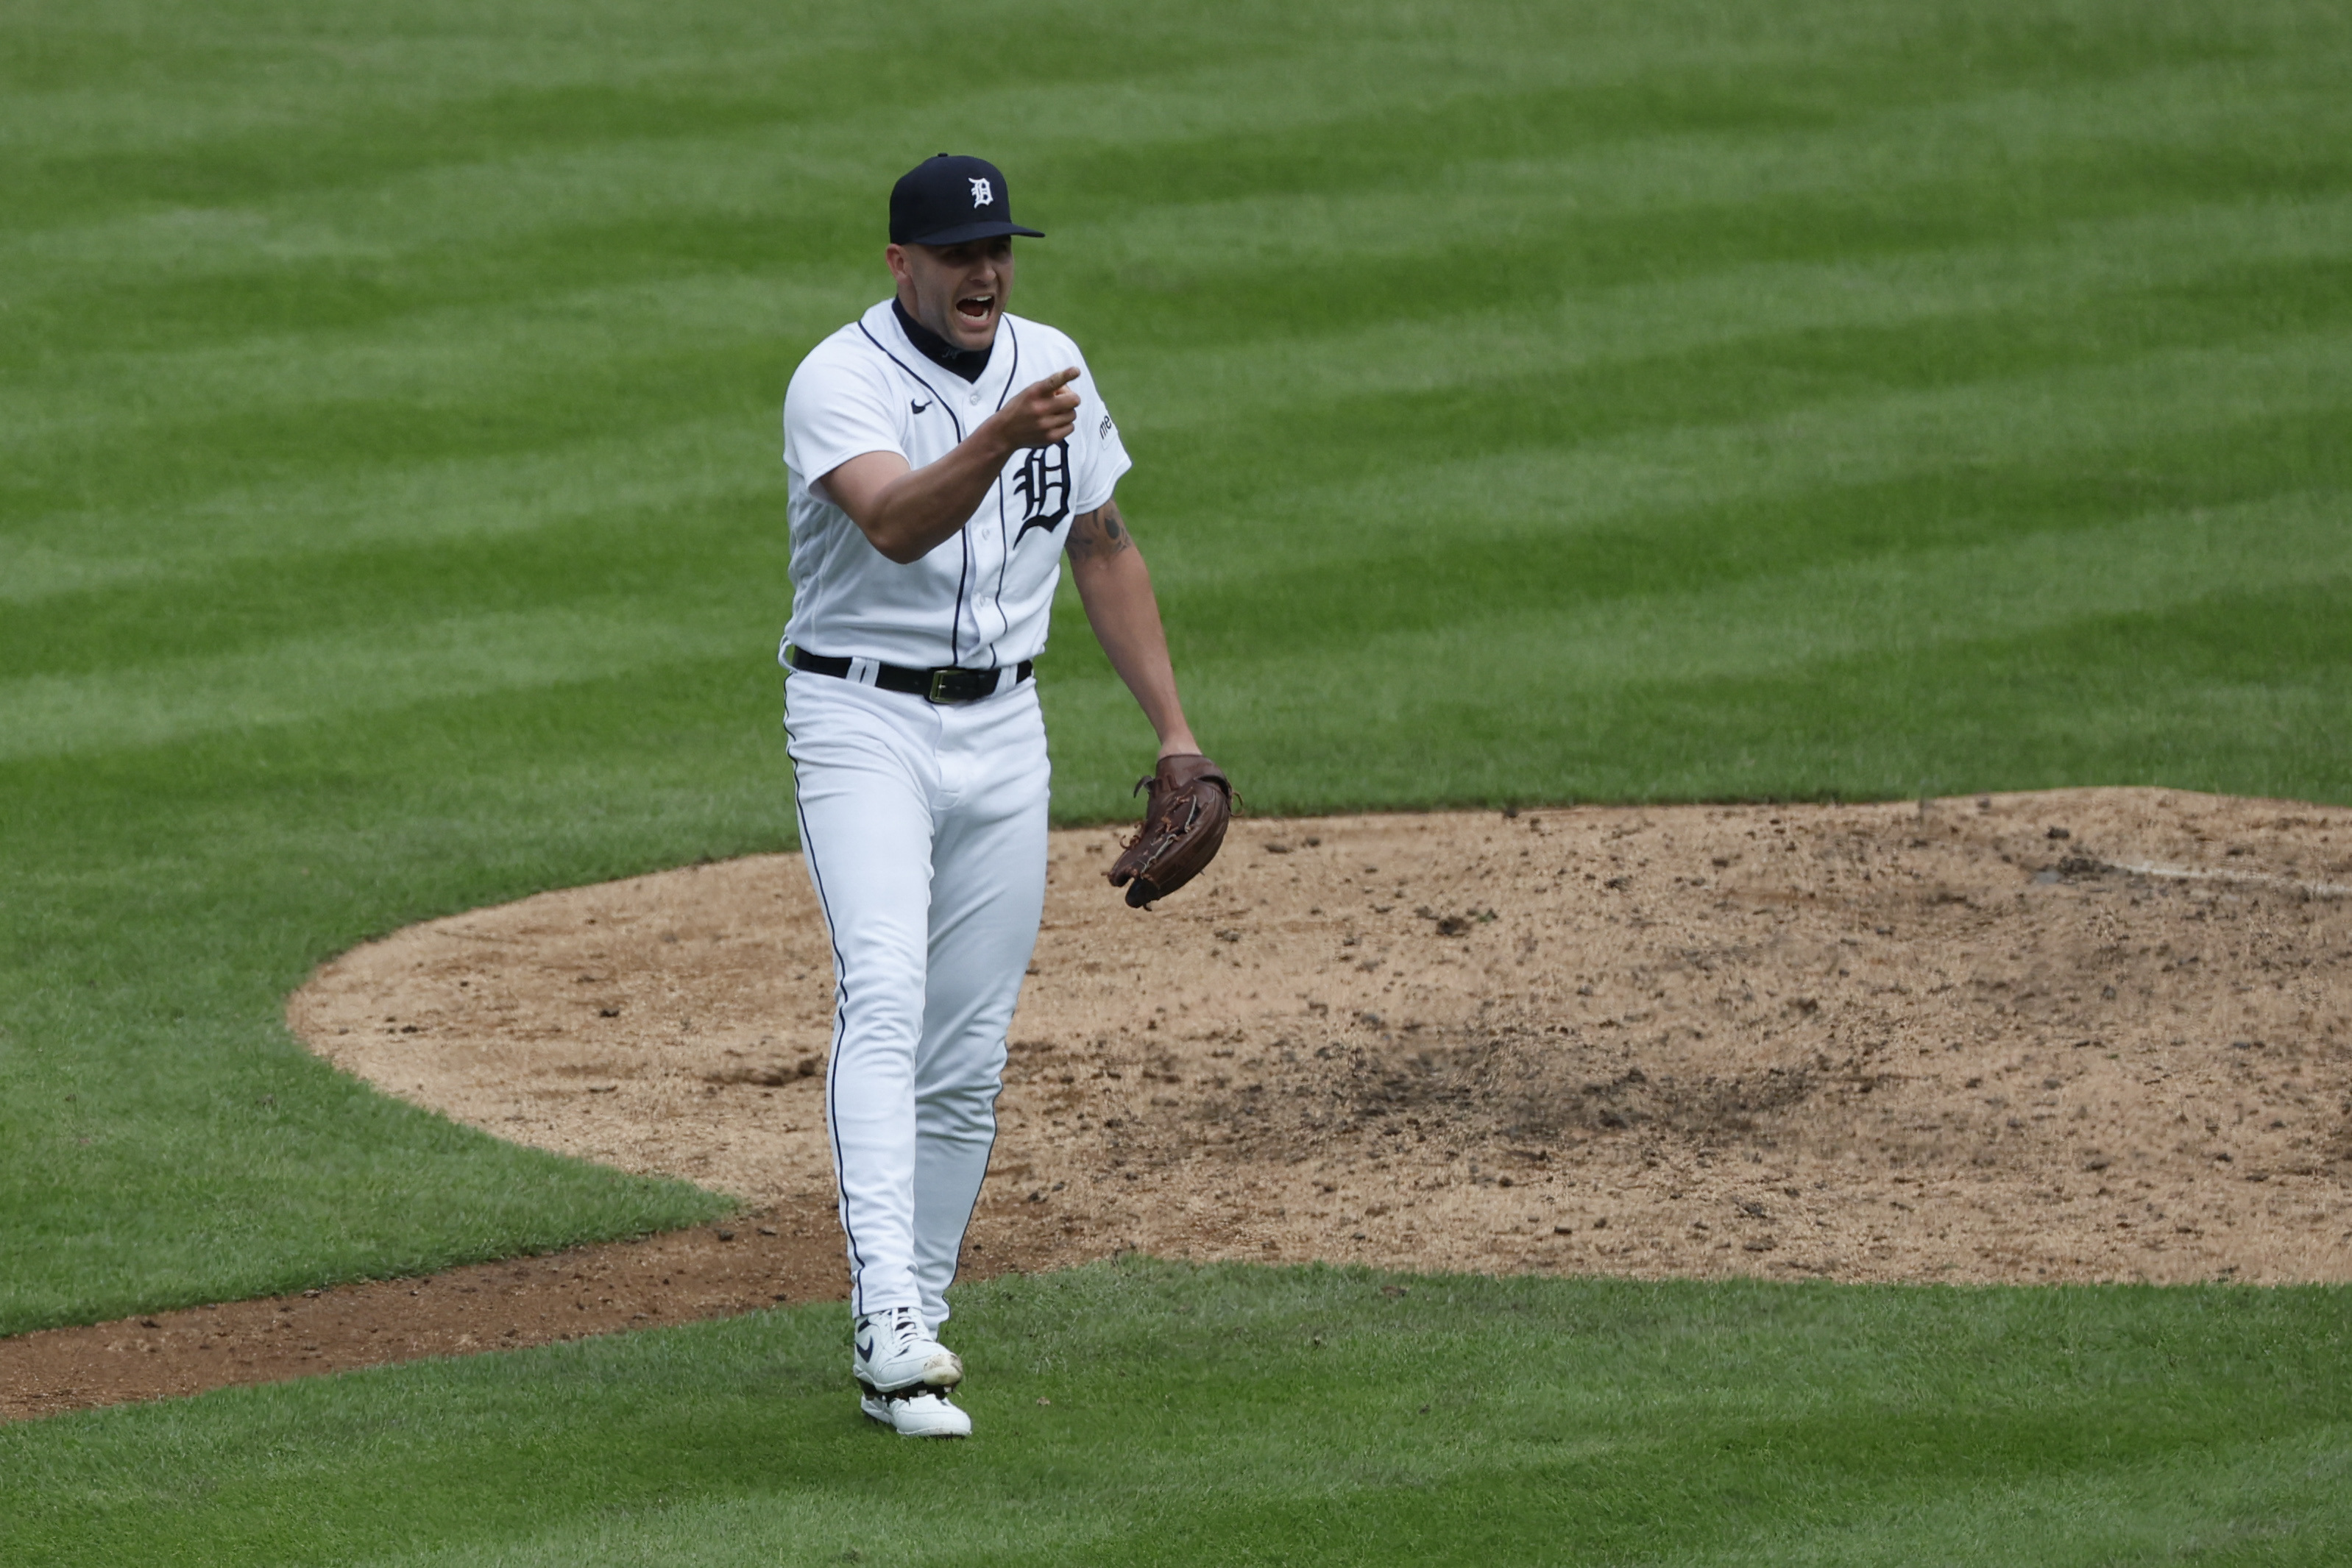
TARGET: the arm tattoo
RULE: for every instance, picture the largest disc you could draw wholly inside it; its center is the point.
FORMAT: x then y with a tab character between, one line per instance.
1099	533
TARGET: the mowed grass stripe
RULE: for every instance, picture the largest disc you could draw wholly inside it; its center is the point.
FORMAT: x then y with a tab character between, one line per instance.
503	232
407	608
488	90
485	354
683	468
472	356
2079	267
1762	623
2197	397
2180	697
292	508
1542	662
1380	550
370	398
390	665
2183	698
200	451
2035	144
1789	389
730	71
205	450
1207	391
405	90
1891	604
292	444
1336	598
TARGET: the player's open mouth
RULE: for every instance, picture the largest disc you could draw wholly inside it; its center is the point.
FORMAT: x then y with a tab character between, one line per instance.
976	307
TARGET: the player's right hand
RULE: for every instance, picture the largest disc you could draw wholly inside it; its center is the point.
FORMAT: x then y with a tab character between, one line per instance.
1043	412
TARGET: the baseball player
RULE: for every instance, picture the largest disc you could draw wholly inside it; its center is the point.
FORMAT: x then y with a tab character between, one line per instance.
944	456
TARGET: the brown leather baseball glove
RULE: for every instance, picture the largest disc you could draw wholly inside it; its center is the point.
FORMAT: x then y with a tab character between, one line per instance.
1192	802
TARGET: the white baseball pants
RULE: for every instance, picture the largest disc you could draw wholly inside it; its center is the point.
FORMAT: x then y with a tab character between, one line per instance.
924	830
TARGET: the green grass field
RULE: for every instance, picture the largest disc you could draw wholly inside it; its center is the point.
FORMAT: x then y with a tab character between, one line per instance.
1530	404
1154	1413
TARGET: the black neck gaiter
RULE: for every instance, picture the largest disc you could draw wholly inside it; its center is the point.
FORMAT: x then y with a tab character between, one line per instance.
965	362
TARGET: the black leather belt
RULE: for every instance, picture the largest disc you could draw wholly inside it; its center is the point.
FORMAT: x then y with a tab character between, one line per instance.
947	686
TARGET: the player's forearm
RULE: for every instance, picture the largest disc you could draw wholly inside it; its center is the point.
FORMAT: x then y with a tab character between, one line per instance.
906	512
1125	614
924	508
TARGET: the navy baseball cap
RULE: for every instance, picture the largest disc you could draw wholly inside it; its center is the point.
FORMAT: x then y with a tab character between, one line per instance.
947	201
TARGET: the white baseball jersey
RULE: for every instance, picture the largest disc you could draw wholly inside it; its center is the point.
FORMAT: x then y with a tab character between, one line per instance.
983	598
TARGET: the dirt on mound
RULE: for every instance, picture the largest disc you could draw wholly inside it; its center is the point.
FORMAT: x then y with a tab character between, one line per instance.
2081	1035
2090	1035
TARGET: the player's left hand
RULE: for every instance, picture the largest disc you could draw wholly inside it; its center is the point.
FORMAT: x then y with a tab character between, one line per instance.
1192	802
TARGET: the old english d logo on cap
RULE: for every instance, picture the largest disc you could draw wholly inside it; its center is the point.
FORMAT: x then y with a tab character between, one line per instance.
947	200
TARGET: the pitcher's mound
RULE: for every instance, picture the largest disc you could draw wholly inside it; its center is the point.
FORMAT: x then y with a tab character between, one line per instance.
2082	1035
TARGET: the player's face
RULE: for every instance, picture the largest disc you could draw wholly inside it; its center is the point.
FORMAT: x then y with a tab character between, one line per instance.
957	290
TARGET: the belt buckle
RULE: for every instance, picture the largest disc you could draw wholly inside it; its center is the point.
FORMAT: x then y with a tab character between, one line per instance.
937	694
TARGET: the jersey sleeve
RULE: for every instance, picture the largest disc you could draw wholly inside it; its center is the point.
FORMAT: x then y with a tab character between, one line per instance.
1100	457
834	410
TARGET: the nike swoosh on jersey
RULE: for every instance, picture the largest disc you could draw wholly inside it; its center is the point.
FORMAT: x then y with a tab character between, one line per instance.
918	407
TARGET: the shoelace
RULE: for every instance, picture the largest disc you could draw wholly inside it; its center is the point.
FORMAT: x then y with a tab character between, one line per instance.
903	1328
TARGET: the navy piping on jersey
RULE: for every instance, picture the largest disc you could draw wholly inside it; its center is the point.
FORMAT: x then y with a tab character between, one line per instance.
840	1010
945	407
1004	548
955	625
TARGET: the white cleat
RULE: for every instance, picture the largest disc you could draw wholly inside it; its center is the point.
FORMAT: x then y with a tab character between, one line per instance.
923	1414
897	1354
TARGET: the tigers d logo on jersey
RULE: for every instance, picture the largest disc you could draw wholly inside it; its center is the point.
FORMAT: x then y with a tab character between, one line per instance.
1042	487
